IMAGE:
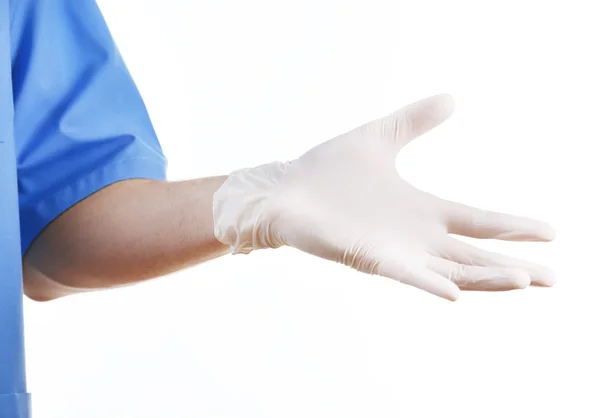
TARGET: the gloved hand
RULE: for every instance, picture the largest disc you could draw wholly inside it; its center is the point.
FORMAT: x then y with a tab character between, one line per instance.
344	201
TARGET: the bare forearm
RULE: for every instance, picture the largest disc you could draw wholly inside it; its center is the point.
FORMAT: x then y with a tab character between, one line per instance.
128	232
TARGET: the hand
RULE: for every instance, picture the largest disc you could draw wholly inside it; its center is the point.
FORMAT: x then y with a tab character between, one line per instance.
344	201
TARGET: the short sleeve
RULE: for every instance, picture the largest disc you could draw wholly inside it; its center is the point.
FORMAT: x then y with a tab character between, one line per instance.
80	122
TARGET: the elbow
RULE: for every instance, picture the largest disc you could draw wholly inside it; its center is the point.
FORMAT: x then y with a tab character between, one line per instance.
39	296
40	288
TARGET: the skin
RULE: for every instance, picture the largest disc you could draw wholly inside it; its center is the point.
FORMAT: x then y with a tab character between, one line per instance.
128	232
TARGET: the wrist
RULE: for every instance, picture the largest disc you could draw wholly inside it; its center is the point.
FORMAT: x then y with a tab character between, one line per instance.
244	210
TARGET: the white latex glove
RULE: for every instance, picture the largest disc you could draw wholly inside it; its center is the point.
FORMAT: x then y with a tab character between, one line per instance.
344	201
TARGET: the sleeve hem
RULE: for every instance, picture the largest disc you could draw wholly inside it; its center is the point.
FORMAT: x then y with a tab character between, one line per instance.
36	217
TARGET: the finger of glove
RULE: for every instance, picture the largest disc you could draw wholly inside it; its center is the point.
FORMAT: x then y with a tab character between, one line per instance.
461	252
422	278
476	223
415	119
480	278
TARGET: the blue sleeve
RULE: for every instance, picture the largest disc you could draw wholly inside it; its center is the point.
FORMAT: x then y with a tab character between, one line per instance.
80	122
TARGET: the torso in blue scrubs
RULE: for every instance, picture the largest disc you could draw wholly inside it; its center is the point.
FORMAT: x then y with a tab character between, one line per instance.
71	122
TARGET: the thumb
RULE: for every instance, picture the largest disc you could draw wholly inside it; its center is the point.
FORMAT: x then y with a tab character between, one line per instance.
415	119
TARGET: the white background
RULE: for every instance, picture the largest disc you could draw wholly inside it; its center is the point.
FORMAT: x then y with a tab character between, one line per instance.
231	84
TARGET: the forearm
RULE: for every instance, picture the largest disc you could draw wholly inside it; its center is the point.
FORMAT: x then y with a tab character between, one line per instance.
128	232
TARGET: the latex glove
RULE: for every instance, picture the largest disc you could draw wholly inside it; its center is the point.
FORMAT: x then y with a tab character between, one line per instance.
344	201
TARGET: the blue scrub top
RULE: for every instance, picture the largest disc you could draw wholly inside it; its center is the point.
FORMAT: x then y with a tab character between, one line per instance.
71	122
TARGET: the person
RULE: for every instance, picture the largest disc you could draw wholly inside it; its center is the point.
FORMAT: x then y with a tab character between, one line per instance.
85	203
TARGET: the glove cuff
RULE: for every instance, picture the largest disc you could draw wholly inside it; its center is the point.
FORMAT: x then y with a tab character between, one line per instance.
241	214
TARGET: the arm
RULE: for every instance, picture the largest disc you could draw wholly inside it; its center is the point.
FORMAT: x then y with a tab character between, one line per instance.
342	201
128	232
